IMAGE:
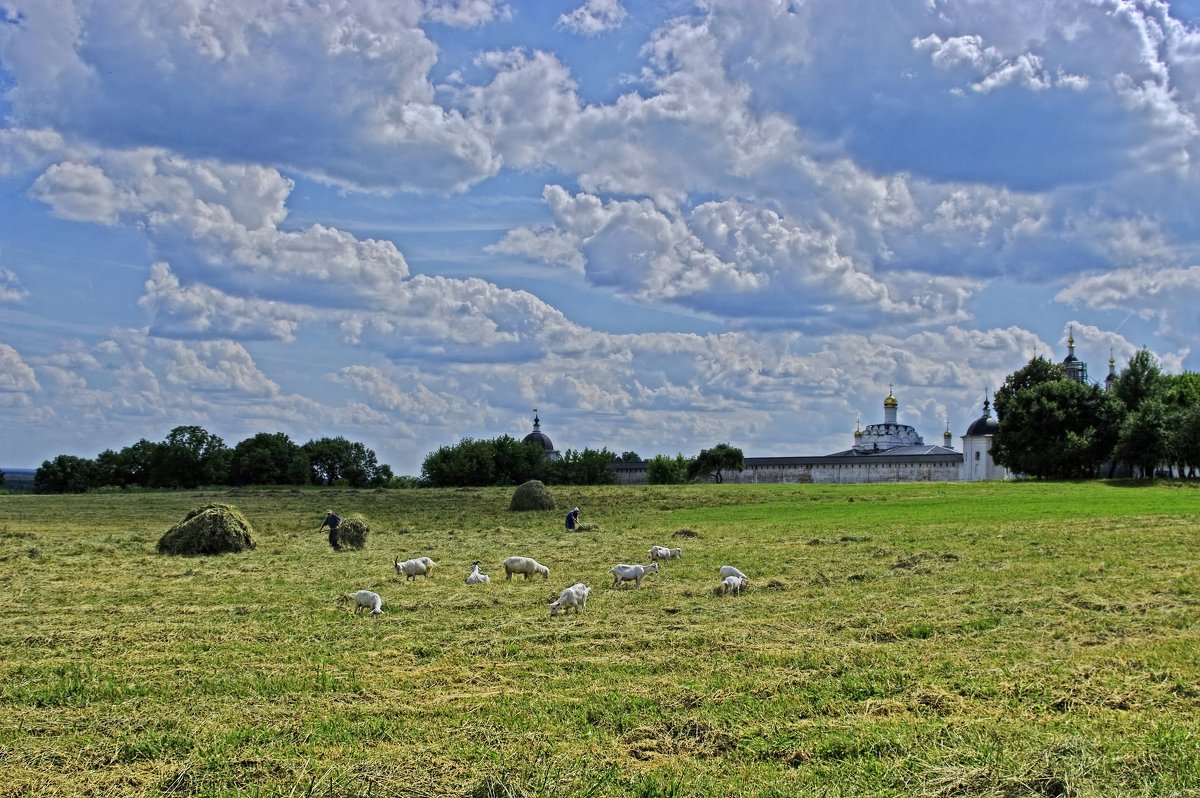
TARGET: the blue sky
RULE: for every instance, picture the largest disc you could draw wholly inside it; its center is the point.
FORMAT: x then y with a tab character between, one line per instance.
664	225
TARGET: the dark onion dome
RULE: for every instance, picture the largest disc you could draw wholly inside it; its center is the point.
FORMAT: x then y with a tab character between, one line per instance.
538	437
985	424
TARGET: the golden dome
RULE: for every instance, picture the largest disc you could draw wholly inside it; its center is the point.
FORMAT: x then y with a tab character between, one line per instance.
890	401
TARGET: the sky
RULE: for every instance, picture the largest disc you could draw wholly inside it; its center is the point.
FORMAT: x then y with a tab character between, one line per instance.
664	225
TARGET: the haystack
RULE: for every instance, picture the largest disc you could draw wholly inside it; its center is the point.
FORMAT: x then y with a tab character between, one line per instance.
212	529
353	531
533	495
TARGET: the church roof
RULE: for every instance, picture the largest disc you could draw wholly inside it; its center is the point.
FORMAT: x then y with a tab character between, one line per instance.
537	436
984	425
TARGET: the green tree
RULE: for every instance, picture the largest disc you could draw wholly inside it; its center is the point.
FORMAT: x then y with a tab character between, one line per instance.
268	458
1143	441
133	465
1	479
665	470
190	457
334	461
1140	380
1037	371
1055	429
65	474
630	457
1182	390
588	467
1184	439
469	463
711	462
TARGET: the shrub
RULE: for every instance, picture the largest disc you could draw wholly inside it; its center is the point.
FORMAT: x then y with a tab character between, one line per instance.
212	529
532	495
353	531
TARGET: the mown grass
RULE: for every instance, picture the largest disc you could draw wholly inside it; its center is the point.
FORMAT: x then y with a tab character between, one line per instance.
915	640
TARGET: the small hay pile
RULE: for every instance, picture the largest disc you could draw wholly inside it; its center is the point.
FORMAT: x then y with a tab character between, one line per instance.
533	495
353	531
212	529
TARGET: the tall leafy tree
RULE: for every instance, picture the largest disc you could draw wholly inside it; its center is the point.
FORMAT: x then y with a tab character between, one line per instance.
587	467
336	460
65	474
1140	380
268	458
190	457
1184	439
1058	428
665	470
133	465
712	462
1143	441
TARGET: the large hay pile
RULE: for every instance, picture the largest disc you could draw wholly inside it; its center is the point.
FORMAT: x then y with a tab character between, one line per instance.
353	532
533	495
212	529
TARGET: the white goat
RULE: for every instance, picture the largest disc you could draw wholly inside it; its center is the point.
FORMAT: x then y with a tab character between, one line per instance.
732	584
631	573
729	570
476	578
524	565
411	569
363	600
574	596
663	553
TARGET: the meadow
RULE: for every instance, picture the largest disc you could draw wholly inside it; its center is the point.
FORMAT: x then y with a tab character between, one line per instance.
974	639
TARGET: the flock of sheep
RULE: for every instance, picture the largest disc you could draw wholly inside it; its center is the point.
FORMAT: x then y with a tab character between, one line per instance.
574	597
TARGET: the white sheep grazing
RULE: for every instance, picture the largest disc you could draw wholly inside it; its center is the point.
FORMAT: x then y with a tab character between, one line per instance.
476	578
524	565
365	599
631	573
574	596
732	584
729	570
658	553
411	569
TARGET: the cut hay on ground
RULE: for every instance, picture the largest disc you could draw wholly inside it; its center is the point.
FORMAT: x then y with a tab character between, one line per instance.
212	529
353	532
533	495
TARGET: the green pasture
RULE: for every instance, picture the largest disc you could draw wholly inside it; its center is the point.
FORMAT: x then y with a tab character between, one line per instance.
1023	639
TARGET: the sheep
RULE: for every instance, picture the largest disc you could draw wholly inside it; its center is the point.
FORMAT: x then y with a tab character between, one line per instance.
524	565
574	596
732	584
663	553
411	569
631	573
476	578
364	599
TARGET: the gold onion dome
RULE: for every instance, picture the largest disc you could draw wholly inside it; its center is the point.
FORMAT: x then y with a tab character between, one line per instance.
890	401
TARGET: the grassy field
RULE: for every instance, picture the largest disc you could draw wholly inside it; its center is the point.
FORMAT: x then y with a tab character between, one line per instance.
907	640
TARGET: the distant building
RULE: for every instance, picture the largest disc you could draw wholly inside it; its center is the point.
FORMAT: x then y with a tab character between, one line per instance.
1076	368
977	449
541	438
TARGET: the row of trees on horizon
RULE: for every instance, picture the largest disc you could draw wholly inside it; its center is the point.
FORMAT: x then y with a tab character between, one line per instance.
1050	426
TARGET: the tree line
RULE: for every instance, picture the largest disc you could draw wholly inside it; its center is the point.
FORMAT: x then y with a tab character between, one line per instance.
1051	426
190	457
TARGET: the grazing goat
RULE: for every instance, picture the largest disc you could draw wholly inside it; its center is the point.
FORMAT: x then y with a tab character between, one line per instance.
363	600
574	596
524	565
729	570
476	578
411	569
631	573
732	584
658	553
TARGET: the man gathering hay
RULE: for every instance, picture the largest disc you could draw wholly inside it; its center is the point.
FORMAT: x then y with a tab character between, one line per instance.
532	495
212	529
353	532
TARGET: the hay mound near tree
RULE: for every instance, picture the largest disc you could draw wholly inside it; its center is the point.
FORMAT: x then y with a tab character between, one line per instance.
353	531
212	529
533	495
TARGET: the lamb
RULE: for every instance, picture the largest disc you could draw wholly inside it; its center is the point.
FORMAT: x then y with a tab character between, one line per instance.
631	573
574	596
663	553
732	584
524	565
411	569
365	599
476	578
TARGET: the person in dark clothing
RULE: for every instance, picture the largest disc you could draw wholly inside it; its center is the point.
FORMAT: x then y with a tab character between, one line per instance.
332	521
572	520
